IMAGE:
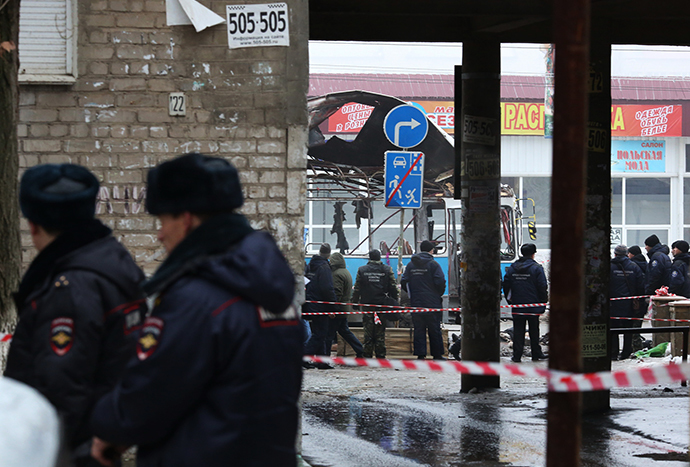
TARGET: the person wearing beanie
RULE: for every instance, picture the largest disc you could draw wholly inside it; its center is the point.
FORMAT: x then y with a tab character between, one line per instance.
79	302
659	268
639	309
320	288
635	254
375	284
626	280
679	282
217	373
524	283
425	283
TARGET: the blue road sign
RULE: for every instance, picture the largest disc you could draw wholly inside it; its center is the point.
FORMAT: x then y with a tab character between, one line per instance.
405	126
404	179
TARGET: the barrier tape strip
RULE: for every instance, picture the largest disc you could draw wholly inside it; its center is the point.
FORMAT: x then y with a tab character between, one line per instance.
5	337
557	381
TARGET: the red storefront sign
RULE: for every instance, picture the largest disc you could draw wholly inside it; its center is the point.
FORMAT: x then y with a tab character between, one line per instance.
646	120
525	118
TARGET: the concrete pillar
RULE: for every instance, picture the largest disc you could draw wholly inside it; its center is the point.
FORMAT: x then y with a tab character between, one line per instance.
571	33
596	322
480	172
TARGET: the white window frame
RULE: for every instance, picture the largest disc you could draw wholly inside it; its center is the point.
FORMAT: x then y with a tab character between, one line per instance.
35	27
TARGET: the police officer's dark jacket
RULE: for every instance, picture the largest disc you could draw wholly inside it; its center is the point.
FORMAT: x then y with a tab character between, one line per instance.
79	306
374	280
641	262
525	282
424	279
658	269
320	286
218	372
626	280
679	282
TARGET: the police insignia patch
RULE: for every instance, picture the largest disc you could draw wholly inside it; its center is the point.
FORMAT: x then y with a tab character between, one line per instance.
150	337
61	335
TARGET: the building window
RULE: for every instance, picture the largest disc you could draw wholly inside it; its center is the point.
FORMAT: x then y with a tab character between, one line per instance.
539	189
47	42
616	201
647	201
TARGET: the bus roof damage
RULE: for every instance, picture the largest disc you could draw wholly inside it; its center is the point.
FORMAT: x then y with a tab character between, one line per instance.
366	151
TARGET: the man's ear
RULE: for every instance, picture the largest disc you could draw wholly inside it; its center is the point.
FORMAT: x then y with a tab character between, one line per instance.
191	221
33	228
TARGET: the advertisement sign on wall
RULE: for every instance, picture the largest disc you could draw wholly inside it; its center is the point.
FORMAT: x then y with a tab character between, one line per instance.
527	118
646	120
638	156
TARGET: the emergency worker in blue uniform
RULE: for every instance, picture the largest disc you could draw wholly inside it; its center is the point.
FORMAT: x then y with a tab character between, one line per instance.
525	283
626	280
659	267
217	375
679	283
425	283
79	302
320	288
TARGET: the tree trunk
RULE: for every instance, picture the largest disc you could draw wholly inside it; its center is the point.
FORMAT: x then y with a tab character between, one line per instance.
10	246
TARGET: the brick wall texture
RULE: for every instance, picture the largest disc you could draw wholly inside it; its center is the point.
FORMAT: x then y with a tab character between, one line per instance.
246	105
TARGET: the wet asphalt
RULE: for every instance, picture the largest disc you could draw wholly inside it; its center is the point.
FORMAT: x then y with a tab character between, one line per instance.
391	419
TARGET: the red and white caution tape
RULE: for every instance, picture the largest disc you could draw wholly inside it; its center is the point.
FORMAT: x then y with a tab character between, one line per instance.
557	381
447	366
658	374
5	337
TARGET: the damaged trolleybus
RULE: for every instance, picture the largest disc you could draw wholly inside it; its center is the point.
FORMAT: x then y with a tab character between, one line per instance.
345	195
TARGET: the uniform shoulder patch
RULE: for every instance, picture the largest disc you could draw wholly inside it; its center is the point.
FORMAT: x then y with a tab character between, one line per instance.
61	335
286	318
150	337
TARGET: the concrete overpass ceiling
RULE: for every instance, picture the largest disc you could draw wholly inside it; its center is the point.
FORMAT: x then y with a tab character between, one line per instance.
630	21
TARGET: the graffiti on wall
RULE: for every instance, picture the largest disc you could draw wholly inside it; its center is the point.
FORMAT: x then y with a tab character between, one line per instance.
130	197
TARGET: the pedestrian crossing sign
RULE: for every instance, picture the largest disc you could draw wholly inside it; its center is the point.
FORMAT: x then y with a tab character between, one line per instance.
404	179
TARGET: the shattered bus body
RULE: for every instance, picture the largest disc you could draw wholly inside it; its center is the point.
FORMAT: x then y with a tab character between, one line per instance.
346	184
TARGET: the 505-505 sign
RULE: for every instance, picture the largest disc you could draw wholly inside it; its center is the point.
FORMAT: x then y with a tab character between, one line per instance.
258	25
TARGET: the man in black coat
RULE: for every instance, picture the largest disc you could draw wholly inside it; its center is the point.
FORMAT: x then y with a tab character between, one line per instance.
425	283
659	267
679	283
639	307
79	302
320	288
217	374
636	256
375	284
525	283
626	280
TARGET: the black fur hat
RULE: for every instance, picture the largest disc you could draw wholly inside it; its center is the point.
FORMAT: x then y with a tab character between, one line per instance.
194	183
58	196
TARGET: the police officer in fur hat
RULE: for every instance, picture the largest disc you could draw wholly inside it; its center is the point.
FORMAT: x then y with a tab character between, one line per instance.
217	373
79	302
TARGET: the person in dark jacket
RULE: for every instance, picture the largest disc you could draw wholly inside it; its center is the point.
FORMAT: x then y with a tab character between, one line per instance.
79	302
375	283
319	288
525	283
636	256
425	283
342	283
679	283
639	307
626	280
659	268
217	375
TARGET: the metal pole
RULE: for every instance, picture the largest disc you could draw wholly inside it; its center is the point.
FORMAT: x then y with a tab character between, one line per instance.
400	244
571	30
